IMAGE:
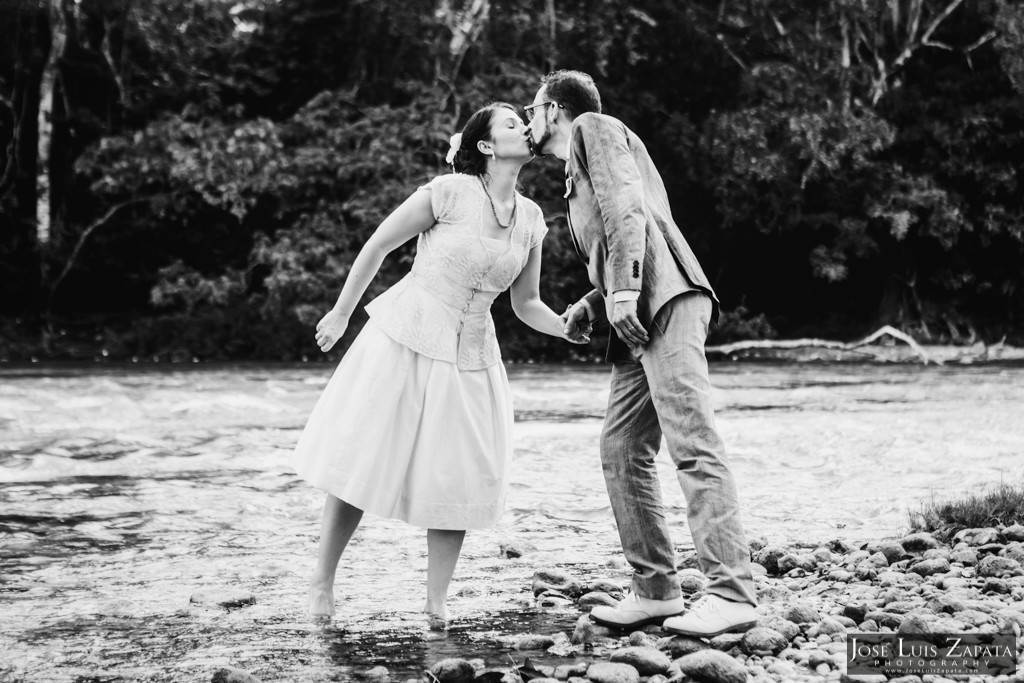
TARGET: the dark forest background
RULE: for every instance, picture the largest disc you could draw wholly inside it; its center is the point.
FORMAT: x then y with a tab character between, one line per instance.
187	179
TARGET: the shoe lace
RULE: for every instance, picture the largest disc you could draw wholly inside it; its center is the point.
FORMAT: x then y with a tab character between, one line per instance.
704	607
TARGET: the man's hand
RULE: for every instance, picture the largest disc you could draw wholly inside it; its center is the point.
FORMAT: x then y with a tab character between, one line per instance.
627	325
576	324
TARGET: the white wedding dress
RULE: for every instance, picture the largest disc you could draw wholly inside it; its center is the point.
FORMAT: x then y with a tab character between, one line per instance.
416	422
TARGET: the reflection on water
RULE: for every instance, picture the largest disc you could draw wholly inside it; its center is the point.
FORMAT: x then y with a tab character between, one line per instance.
125	490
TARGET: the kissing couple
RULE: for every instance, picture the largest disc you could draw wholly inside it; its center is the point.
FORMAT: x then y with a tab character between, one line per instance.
416	422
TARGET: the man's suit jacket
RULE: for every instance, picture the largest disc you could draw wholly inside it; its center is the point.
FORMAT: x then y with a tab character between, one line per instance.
621	223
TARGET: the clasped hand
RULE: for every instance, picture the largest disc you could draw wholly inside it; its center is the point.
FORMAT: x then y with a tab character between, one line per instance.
576	325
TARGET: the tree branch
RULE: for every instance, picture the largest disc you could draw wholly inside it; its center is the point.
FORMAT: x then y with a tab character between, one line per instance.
728	349
89	230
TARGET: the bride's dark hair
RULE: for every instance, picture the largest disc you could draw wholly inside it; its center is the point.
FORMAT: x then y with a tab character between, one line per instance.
469	159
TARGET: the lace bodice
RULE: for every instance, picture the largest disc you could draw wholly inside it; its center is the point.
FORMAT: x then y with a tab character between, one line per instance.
442	307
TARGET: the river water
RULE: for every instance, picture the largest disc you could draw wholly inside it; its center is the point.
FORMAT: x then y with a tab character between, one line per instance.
123	490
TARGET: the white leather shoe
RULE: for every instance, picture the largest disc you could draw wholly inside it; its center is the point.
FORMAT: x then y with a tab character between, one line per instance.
635	611
712	616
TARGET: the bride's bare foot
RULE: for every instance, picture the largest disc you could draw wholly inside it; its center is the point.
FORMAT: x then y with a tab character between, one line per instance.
437	617
321	601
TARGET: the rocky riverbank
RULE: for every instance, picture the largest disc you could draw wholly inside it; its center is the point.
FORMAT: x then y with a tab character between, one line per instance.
811	599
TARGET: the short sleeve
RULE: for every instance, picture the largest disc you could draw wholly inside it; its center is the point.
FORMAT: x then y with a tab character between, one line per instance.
539	228
444	194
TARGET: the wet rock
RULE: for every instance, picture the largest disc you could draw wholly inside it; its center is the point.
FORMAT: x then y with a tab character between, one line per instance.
802	613
533	641
552	600
784	671
887	579
841	576
224	597
566	671
936	554
587	632
822	555
230	675
595	598
931	567
680	646
641	639
726	641
688	560
453	670
999	586
768	557
469	592
763	641
612	672
999	567
692	580
1014	533
513	551
869	626
919	542
878	560
784	626
791	561
977	537
712	666
556	580
646	660
605	586
380	674
916	625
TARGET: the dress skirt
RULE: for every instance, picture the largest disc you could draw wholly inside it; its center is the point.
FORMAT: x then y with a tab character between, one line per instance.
402	435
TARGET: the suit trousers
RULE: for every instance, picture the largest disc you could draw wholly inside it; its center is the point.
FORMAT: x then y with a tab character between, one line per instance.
667	391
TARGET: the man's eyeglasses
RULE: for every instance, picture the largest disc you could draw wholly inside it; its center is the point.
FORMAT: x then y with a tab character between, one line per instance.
530	108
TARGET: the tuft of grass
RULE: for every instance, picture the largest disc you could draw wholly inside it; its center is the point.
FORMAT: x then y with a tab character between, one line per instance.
1003	504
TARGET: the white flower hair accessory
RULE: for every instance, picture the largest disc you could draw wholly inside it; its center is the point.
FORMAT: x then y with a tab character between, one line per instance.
455	143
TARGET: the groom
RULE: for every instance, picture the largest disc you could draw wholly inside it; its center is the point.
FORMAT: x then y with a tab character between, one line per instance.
650	288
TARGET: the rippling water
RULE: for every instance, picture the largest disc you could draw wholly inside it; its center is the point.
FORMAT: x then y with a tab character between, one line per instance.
125	490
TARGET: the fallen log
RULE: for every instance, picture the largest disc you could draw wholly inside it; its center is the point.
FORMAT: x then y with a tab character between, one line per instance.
734	347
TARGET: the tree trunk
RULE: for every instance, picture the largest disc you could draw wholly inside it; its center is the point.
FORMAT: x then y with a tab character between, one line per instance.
19	246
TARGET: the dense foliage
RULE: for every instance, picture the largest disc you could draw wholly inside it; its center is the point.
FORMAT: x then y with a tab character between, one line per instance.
192	178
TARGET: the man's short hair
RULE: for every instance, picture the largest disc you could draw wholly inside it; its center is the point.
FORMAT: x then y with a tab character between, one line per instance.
574	90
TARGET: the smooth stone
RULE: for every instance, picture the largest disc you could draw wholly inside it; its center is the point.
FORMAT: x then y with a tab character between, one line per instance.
841	576
646	660
839	546
791	561
893	550
801	612
966	557
980	536
453	670
919	542
612	672
1014	551
225	597
380	674
760	640
533	641
605	586
726	641
641	639
878	560
931	567
680	646
692	581
885	619
999	567
1014	533
830	627
229	675
712	666
784	626
566	671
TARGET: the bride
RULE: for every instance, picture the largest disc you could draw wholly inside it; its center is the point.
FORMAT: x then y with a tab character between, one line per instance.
415	423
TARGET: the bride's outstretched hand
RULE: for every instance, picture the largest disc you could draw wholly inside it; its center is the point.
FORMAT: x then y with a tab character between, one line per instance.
329	329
